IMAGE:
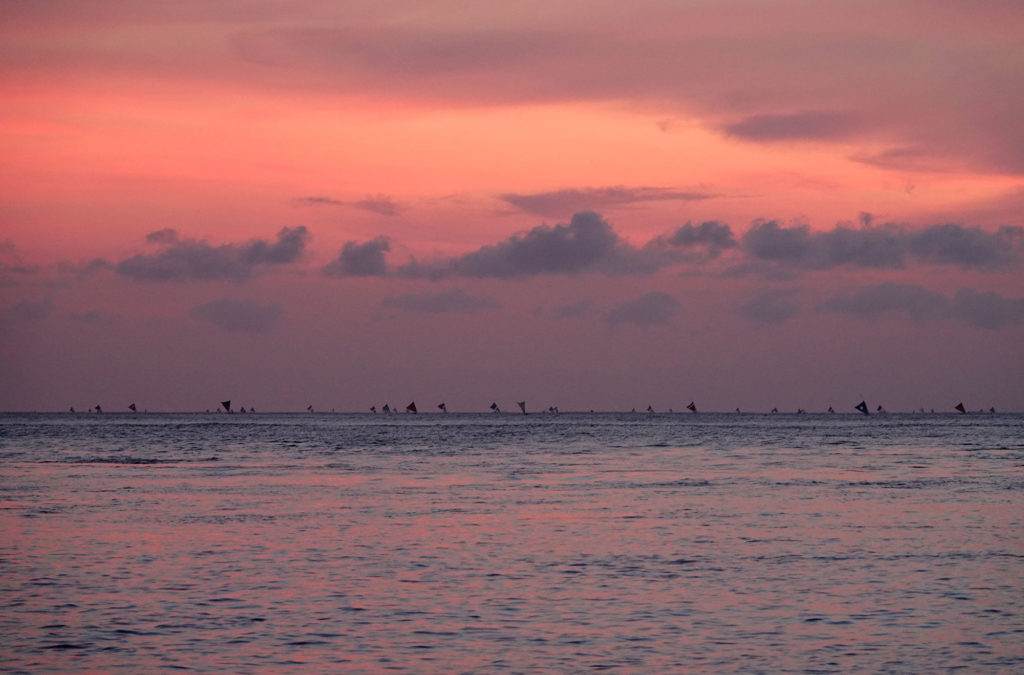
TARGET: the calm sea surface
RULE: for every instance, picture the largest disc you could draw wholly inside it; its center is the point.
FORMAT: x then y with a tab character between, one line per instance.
503	543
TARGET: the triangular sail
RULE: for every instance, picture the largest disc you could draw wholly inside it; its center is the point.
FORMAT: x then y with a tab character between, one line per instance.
411	407
131	406
442	407
309	408
227	405
386	408
522	406
495	408
650	409
960	407
863	407
692	407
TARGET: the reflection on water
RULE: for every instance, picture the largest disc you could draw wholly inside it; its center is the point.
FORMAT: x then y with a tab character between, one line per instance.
666	543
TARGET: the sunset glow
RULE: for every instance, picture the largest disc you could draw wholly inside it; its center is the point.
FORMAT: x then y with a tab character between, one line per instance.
590	205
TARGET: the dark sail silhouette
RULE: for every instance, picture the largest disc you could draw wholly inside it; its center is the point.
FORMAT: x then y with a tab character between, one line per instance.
98	408
830	409
373	409
522	406
692	407
960	406
411	408
495	408
131	407
442	407
227	405
309	408
863	407
650	409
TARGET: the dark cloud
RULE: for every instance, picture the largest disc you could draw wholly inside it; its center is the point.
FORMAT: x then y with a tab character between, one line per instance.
192	259
93	317
165	236
650	309
13	270
572	310
453	301
969	247
691	243
986	309
773	306
360	260
974	308
379	204
238	316
587	243
809	125
25	310
561	202
884	246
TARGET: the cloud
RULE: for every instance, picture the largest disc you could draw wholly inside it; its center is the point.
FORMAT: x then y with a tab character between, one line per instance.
884	246
453	301
746	73
690	243
360	260
980	309
650	309
25	310
773	306
238	316
561	202
13	270
966	246
572	310
380	204
809	125
93	317
986	309
191	259
587	243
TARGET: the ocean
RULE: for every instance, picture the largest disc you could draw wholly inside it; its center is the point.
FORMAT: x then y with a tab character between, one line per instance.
485	543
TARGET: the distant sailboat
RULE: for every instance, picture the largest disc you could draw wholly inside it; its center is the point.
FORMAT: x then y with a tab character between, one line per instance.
442	407
774	411
309	408
495	408
386	409
227	405
72	409
960	406
830	409
863	407
880	409
692	407
131	406
992	410
411	408
650	409
98	408
373	409
522	406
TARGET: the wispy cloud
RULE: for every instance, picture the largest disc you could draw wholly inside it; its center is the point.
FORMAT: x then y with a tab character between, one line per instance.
380	204
453	301
560	203
774	306
975	308
238	316
651	309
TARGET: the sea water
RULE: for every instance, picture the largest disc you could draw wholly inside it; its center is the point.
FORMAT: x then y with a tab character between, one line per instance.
509	543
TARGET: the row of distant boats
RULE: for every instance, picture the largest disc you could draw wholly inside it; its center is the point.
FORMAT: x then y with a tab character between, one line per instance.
386	409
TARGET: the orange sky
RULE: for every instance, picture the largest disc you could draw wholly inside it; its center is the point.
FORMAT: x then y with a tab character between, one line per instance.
468	137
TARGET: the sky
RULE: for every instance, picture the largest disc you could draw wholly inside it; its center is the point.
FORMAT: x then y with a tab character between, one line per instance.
589	205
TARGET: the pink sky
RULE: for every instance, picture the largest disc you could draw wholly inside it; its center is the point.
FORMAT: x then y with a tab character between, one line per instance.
591	205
